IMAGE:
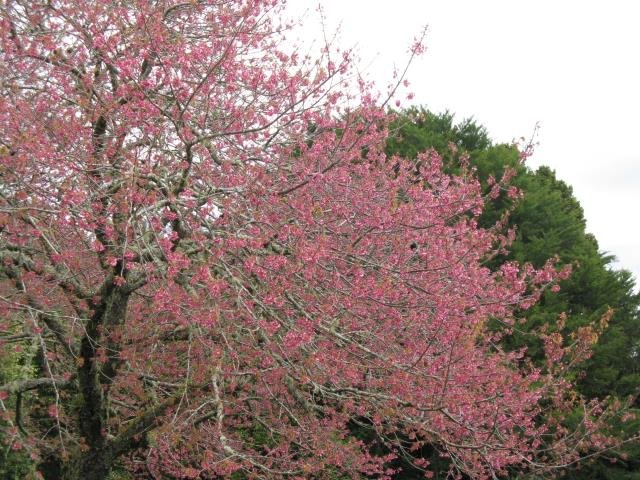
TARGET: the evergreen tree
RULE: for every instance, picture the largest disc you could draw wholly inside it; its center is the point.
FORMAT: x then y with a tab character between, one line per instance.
549	222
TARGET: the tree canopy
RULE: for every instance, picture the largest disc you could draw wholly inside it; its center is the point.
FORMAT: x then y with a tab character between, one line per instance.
210	268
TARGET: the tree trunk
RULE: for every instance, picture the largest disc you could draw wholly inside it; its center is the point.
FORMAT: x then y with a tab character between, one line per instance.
91	465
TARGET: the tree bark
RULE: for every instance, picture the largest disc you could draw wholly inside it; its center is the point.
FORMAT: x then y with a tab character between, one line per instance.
92	465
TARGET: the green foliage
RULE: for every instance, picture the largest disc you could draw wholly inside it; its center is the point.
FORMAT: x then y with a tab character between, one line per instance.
119	473
620	464
258	436
19	361
15	463
549	222
417	130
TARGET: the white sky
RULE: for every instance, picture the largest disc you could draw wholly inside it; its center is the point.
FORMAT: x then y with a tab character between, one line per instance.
572	66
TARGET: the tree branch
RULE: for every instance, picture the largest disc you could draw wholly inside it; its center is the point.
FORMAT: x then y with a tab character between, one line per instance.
20	386
140	424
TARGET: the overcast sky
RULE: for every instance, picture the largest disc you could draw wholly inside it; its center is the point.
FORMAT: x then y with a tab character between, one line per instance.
571	66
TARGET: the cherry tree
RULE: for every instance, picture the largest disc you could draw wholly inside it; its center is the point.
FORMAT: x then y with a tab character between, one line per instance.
216	270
